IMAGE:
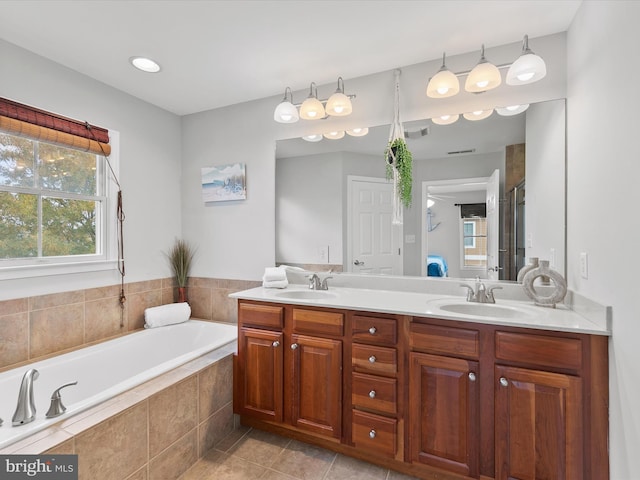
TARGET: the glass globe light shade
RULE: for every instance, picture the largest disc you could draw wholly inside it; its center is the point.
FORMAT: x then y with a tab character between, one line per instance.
312	109
443	84
314	137
511	110
484	76
336	135
286	112
445	119
339	105
478	115
358	132
528	68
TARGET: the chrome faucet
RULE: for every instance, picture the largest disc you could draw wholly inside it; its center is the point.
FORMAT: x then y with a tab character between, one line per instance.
480	294
316	284
26	409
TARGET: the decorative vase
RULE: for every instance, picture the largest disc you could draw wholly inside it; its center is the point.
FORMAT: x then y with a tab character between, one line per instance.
533	263
543	270
182	295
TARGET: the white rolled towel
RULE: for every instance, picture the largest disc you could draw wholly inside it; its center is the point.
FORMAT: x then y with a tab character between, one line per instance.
166	315
274	274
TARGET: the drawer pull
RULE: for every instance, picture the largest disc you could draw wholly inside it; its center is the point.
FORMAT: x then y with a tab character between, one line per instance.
372	433
373	330
504	382
372	359
276	344
294	346
372	394
472	376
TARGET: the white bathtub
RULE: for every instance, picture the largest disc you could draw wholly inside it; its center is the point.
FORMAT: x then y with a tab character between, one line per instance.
106	370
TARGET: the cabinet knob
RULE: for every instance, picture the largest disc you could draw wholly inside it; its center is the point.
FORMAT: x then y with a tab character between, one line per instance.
373	330
504	382
372	394
276	343
472	376
372	433
294	346
372	359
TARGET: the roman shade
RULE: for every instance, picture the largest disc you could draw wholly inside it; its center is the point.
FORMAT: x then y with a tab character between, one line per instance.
23	120
472	210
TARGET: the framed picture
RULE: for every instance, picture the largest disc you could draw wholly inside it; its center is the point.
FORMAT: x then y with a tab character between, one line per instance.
224	183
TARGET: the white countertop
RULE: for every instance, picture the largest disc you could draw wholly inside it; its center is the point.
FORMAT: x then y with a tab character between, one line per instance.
429	305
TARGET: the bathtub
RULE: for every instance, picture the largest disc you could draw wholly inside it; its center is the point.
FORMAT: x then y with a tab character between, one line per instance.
106	370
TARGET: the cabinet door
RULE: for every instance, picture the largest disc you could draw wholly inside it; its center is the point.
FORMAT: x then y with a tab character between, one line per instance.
317	384
538	425
261	370
443	413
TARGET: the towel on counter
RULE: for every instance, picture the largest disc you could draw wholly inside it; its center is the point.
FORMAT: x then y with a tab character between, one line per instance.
275	277
166	315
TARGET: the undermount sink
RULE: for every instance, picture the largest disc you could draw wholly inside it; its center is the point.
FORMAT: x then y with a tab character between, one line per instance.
487	310
305	294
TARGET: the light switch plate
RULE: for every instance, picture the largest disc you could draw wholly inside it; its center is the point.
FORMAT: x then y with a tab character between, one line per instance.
584	265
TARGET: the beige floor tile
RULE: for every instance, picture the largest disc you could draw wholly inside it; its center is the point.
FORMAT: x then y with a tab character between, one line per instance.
260	447
393	475
306	462
273	475
230	440
222	466
347	468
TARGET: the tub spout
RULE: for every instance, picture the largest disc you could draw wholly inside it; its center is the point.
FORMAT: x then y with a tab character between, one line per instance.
26	409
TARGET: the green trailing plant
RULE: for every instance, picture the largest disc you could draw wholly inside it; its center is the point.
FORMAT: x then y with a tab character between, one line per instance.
399	157
180	258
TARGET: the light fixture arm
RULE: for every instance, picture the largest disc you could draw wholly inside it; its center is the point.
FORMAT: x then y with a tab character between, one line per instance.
311	87
340	89
290	99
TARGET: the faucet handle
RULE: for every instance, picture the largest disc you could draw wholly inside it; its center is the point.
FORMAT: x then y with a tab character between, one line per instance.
57	408
490	296
470	291
324	285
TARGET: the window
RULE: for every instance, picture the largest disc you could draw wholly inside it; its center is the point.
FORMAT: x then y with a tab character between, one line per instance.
474	242
54	202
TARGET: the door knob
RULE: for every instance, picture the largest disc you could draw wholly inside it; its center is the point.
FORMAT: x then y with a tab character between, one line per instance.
358	263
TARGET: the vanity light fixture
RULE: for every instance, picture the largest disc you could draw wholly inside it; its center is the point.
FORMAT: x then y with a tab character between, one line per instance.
528	68
286	111
358	132
511	110
444	83
312	108
314	137
335	135
145	64
478	114
445	119
339	104
484	76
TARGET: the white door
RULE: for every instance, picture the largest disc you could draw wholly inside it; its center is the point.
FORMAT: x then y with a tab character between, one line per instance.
493	226
373	243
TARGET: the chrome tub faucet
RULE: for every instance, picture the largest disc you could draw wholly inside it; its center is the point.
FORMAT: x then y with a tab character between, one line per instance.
26	408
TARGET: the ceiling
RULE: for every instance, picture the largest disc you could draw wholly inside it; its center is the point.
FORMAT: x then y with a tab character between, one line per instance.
215	53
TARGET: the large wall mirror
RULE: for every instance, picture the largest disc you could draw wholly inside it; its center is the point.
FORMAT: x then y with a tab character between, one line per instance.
487	195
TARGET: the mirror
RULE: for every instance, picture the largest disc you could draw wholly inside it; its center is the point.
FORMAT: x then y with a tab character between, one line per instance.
317	186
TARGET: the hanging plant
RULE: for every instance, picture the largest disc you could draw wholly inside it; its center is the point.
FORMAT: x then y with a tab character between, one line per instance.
399	158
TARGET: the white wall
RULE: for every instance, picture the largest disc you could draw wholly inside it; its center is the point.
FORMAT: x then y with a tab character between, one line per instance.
603	195
545	179
149	163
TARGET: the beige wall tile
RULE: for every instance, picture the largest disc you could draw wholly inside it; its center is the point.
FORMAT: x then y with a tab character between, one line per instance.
64	448
138	287
169	295
102	319
215	387
137	303
200	302
172	413
14	338
213	430
176	459
57	328
225	309
203	282
101	292
56	300
140	474
116	448
9	307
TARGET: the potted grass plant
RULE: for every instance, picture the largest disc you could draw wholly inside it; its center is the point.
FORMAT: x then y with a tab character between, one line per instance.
180	258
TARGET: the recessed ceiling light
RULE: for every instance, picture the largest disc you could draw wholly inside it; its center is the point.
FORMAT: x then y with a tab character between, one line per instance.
145	64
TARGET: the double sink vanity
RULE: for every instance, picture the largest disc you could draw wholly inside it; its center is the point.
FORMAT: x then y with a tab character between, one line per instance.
427	384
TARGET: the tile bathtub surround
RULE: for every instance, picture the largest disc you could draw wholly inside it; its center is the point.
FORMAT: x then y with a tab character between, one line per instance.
35	327
154	431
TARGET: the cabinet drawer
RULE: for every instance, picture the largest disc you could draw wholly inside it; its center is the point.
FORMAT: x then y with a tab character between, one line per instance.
314	321
374	359
447	340
375	393
261	315
374	433
539	350
376	330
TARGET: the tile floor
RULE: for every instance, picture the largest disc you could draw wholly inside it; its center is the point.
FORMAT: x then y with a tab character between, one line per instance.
248	454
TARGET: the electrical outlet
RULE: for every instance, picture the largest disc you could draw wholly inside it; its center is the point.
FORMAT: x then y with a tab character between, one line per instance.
584	265
323	254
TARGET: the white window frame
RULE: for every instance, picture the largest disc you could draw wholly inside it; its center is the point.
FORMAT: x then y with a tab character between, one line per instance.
106	259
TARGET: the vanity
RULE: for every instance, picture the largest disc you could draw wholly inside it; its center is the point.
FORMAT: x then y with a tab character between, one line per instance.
427	384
